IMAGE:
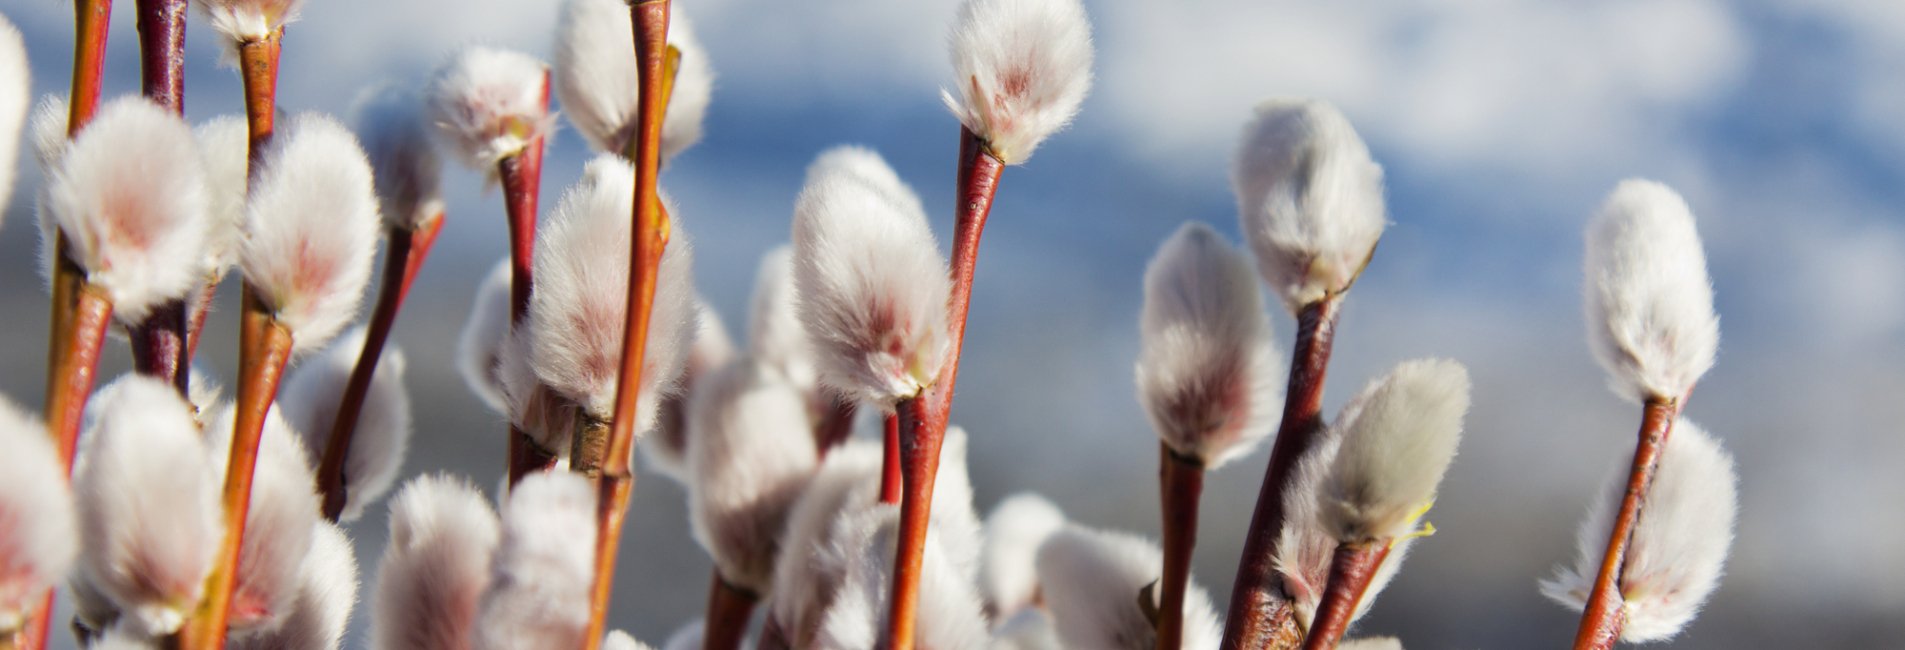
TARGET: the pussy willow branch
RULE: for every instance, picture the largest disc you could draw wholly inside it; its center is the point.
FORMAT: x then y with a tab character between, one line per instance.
160	343
1603	617
1180	484
521	176
1260	614
1352	568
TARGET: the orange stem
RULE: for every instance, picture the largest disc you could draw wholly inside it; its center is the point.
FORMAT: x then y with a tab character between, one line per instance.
1602	620
1260	614
890	461
258	63
1351	569
521	176
77	369
729	608
264	349
1180	484
402	261
92	20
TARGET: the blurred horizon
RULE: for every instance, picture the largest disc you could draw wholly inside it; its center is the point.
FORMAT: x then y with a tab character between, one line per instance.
1501	124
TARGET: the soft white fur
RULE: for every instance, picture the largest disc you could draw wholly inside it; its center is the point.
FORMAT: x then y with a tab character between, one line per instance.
950	614
750	452
39	534
955	520
1092	582
872	284
805	580
481	340
283	509
389	119
1398	438
667	447
1305	547
327	589
489	104
544	569
223	146
1207	369
1020	70
597	79
16	93
311	229
129	193
548	418
46	129
619	640
309	400
577	313
1309	199
1649	302
436	567
1680	541
775	334
248	20
1009	567
147	494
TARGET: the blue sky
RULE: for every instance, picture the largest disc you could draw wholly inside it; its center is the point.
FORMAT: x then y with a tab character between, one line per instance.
1501	123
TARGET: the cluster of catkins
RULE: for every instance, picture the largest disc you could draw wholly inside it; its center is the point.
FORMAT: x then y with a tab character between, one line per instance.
145	215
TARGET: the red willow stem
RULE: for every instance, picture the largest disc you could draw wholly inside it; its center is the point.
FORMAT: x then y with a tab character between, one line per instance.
403	259
521	176
265	348
258	63
1260	615
162	52
890	460
159	347
1180	485
729	607
649	238
92	20
922	420
1351	569
1601	621
77	369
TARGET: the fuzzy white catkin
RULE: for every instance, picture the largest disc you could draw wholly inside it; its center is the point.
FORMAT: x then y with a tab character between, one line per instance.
872	284
129	194
1305	548
1020	70
309	401
775	335
1093	581
666	449
248	20
577	313
1398	438
544	568
283	509
408	173
596	77
436	567
224	143
327	589
39	534
16	94
1207	370
750	453
480	343
1309	199
805	582
490	104
950	616
1648	300
147	495
1680	540
1030	629
1009	567
46	129
311	229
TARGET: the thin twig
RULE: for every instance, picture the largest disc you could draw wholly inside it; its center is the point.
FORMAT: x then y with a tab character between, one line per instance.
729	608
521	176
162	52
1601	621
890	460
1180	485
1352	568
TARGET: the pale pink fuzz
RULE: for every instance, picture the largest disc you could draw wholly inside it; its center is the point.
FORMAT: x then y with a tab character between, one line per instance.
443	536
1021	68
38	530
311	229
490	104
248	20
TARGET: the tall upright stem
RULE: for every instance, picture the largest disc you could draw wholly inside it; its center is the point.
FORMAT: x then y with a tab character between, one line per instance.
258	63
1260	614
92	21
922	420
1352	568
890	459
76	370
264	349
162	52
649	239
729	607
403	259
1601	621
521	177
1180	486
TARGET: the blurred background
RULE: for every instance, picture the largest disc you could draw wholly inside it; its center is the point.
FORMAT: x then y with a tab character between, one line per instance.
1501	124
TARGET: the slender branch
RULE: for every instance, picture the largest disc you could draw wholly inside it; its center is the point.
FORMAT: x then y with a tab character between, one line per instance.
890	460
525	456
1601	621
521	176
92	20
729	608
1180	484
1351	569
1260	615
159	348
258	63
264	349
76	370
403	259
649	239
195	321
162	52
